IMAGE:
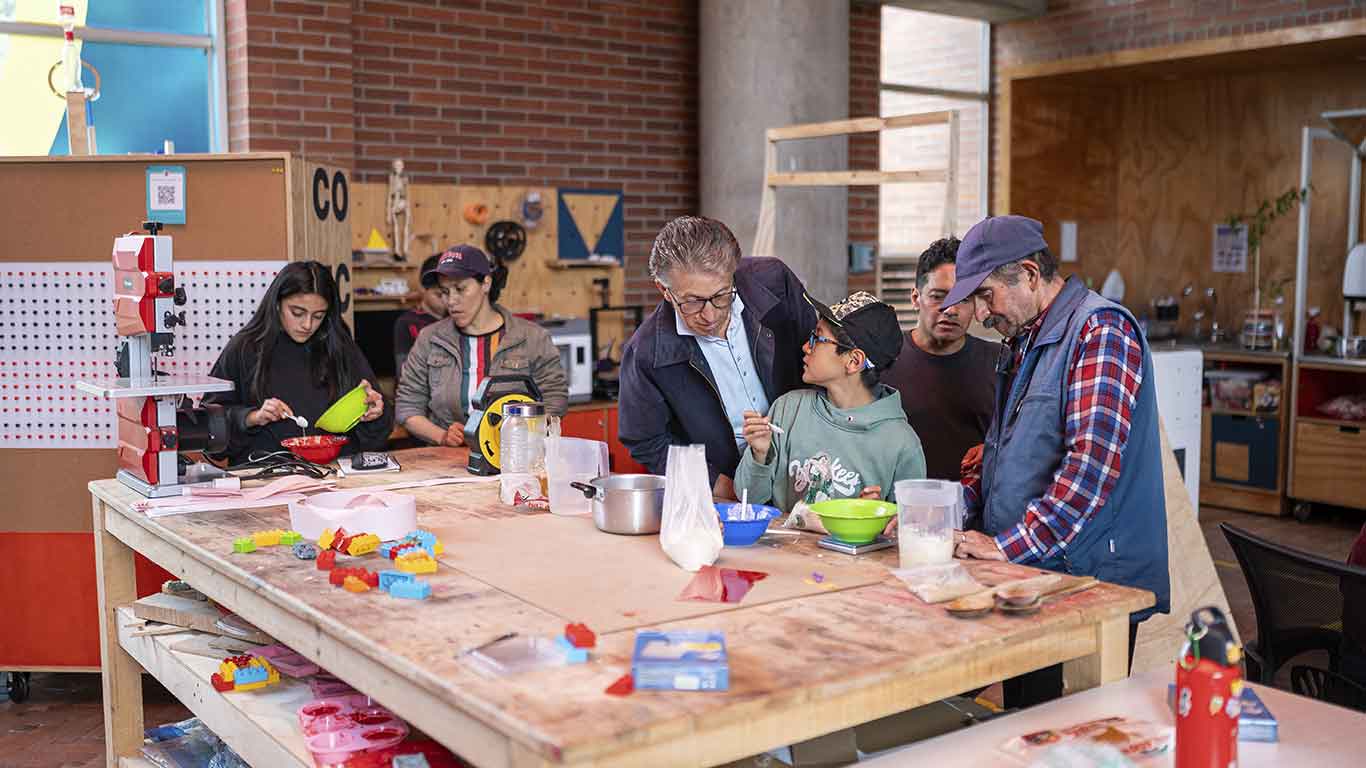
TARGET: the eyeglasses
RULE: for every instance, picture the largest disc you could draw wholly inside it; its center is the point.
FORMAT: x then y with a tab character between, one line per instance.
721	301
815	338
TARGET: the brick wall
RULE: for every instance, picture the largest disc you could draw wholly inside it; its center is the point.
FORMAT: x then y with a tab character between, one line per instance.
592	93
1075	28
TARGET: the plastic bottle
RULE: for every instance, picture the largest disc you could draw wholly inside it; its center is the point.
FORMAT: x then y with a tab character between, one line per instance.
521	439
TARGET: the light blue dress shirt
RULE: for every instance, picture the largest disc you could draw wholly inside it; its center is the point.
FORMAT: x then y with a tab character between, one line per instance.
732	366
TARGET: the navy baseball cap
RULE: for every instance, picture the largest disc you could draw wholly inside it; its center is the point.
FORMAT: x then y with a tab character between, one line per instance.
991	243
464	261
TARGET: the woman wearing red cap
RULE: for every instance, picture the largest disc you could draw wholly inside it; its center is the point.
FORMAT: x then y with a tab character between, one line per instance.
477	339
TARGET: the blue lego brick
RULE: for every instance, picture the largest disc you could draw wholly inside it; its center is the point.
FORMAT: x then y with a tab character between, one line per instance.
572	654
305	551
249	675
412	590
410	761
389	578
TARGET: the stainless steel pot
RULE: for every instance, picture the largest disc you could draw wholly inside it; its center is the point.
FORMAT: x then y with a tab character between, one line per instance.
1352	347
628	504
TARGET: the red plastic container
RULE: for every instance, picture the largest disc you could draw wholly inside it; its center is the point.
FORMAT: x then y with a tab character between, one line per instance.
318	449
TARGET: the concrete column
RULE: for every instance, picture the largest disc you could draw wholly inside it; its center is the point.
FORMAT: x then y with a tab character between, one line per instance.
768	63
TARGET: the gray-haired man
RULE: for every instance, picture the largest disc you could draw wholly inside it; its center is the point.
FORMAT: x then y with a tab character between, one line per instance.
726	339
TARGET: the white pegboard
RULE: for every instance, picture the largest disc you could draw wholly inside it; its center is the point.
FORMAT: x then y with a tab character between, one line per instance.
57	327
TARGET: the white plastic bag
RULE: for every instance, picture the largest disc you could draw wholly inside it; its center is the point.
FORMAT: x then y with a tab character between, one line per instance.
690	533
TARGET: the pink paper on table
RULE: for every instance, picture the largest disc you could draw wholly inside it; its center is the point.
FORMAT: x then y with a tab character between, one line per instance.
721	585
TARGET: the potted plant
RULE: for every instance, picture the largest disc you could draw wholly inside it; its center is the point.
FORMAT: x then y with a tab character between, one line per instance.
1259	326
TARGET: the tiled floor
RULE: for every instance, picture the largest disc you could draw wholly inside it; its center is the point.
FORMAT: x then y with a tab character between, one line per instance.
61	725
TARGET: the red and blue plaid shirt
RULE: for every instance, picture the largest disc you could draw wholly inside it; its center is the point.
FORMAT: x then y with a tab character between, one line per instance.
1102	388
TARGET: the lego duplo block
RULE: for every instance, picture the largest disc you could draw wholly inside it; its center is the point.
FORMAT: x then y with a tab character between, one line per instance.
290	538
267	538
219	684
243	545
326	560
338	576
426	540
248	675
355	584
362	544
390	577
416	562
387	549
411	590
572	653
580	635
325	540
305	550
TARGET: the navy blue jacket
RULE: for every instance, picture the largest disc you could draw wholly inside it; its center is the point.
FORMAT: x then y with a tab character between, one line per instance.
668	393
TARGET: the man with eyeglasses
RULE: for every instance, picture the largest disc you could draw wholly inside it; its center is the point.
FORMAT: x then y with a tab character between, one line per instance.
726	339
1071	473
944	375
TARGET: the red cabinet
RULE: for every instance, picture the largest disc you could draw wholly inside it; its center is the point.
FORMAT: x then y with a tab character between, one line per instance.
598	421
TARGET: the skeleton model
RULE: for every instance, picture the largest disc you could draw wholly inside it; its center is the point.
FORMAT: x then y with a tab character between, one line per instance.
399	221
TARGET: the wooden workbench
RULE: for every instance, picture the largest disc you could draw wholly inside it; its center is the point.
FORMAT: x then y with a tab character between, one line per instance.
799	668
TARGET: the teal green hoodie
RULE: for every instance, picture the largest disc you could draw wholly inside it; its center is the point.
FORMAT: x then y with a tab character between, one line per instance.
829	453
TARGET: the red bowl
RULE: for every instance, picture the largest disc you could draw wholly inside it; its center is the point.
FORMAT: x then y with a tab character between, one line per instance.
318	449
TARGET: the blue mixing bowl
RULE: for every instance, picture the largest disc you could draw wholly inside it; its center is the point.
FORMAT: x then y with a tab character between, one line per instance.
742	533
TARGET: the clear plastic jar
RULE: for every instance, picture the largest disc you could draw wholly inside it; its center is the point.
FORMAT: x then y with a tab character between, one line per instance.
521	439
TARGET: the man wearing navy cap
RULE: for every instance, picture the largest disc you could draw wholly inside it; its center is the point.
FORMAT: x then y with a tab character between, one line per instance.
1071	472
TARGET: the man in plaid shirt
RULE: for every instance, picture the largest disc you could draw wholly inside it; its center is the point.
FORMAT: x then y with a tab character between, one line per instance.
1070	477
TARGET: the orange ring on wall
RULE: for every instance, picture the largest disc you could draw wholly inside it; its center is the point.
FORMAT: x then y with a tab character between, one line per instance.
477	214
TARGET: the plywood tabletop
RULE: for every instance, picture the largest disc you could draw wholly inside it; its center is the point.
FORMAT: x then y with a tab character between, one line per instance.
860	653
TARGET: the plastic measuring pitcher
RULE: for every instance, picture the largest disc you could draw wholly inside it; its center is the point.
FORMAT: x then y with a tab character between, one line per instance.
572	460
927	512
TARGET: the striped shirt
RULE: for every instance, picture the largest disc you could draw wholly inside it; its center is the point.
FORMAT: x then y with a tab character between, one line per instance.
477	352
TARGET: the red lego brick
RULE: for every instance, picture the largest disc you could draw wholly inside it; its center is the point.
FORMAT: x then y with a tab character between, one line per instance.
326	560
370	577
338	576
219	684
580	635
337	539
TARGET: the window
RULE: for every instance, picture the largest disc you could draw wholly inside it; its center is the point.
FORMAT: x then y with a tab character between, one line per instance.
932	62
161	75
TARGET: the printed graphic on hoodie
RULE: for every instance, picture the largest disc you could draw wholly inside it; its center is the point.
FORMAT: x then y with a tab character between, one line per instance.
820	478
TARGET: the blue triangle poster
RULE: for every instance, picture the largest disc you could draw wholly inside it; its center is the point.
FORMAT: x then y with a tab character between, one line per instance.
591	225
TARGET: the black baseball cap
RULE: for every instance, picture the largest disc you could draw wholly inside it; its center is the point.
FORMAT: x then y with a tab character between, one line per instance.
868	322
993	242
464	261
428	274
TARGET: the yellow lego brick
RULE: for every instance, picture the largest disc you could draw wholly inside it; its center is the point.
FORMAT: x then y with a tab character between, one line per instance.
363	544
415	562
438	548
267	538
353	584
251	686
326	539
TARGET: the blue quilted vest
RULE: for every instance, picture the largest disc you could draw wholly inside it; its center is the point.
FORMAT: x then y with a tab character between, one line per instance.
1125	541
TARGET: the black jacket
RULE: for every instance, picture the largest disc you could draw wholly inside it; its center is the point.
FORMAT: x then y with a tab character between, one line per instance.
291	381
668	395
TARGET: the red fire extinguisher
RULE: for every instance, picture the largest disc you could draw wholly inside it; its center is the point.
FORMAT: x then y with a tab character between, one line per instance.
1209	687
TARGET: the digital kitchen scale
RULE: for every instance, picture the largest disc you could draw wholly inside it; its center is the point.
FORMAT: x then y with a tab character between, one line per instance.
830	542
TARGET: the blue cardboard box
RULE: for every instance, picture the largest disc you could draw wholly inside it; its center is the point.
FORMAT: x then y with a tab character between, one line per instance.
680	661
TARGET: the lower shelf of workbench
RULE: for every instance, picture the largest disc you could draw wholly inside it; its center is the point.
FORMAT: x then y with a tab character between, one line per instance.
261	726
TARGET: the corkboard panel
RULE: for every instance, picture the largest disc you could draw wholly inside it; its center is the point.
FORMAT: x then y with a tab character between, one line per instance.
438	222
319	209
45	491
1148	168
65	209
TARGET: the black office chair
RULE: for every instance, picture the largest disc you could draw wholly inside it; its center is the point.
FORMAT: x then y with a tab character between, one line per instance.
1299	600
1327	686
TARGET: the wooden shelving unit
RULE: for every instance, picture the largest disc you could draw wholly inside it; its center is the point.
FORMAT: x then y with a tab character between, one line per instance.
1328	454
1226	467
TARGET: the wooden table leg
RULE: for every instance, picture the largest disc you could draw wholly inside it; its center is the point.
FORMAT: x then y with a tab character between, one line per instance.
1109	663
122	676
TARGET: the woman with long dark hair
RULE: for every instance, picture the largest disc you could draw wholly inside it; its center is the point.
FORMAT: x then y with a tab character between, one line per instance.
295	357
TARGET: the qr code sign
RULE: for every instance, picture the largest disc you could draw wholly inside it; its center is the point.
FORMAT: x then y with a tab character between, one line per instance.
166	195
166	190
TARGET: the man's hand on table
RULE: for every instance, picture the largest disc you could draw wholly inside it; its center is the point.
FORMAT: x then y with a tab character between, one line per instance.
976	545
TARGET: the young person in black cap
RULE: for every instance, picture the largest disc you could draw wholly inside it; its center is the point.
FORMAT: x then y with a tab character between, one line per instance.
849	438
478	339
431	306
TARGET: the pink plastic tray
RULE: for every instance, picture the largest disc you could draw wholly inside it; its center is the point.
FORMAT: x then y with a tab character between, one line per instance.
338	728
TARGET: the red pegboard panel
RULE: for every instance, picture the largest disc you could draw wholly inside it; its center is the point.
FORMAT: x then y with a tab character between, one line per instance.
49	599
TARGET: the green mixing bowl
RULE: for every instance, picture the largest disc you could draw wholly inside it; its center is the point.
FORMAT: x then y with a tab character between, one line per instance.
854	521
344	414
